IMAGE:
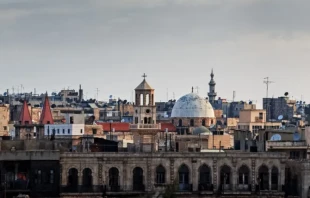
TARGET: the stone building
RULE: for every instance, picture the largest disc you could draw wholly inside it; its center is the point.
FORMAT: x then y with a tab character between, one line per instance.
279	106
192	174
4	119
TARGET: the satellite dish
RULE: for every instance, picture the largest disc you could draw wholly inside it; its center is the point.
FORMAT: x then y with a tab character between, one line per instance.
280	117
275	137
296	136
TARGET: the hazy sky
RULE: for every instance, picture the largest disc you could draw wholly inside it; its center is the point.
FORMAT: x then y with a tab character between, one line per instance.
109	44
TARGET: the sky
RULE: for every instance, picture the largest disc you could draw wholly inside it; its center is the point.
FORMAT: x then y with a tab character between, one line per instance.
50	45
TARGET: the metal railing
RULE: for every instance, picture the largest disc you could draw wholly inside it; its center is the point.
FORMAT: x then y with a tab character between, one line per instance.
185	187
205	187
286	144
124	188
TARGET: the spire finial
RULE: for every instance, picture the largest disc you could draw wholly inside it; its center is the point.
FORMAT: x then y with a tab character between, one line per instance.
212	74
144	76
192	89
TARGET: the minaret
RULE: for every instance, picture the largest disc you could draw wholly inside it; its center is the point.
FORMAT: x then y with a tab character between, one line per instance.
212	93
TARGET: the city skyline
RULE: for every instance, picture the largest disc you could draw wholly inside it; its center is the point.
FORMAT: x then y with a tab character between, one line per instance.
109	45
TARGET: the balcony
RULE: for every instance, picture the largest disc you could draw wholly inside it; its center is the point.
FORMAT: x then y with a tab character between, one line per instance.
145	126
286	144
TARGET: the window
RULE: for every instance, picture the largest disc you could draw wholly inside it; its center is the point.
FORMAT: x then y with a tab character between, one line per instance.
58	131
28	129
160	175
81	130
26	122
38	178
94	131
34	134
51	176
5	128
63	131
260	116
68	131
191	122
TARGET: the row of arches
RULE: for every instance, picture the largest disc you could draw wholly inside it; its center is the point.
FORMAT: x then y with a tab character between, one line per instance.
184	182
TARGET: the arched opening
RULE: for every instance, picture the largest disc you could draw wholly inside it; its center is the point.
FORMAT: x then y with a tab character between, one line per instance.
114	179
160	174
87	179
180	122
274	178
152	102
291	182
72	182
263	178
243	179
141	100
184	178
149	120
145	120
203	122
192	122
205	178
147	99
225	177
138	179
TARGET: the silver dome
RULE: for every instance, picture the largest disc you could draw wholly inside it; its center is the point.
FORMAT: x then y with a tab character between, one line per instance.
192	106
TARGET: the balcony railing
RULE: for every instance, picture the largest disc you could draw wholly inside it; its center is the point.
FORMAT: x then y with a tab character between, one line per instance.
277	144
124	188
205	187
145	126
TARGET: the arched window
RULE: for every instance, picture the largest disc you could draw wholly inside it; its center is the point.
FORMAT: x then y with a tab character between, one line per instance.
87	178
145	120
203	122
138	179
147	99
114	179
184	178
205	178
225	177
160	174
73	178
141	100
263	178
192	122
274	178
180	122
243	180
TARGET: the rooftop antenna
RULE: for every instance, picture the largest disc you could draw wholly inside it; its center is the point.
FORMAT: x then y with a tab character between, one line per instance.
192	89
97	91
13	90
197	89
267	82
167	95
234	96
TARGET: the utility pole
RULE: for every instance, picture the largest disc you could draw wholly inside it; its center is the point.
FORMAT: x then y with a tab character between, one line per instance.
97	91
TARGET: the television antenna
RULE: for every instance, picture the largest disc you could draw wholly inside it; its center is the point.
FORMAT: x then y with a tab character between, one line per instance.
267	82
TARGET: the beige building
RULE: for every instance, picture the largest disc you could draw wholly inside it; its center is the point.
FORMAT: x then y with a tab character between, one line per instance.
254	120
4	119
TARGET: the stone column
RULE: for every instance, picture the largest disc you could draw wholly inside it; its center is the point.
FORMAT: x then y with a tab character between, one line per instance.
195	175
80	176
253	165
214	175
234	174
124	181
172	171
148	175
100	180
269	172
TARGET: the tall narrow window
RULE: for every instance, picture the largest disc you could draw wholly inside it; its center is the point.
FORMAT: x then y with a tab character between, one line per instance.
147	99
141	100
51	176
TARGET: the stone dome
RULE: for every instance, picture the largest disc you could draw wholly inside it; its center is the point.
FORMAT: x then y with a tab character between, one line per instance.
202	130
192	106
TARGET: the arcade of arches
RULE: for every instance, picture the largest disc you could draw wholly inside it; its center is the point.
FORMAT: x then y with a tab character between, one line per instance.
193	172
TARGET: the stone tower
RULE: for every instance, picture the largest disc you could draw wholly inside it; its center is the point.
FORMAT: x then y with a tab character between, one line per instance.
212	93
144	108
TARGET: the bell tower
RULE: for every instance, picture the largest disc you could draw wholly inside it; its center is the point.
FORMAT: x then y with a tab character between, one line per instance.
145	109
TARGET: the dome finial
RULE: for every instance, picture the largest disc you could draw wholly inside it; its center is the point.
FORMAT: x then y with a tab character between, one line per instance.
212	74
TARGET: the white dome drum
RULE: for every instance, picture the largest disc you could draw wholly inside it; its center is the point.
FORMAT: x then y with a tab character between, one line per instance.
192	106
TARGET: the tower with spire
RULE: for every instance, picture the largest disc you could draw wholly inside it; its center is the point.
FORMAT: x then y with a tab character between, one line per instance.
212	93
